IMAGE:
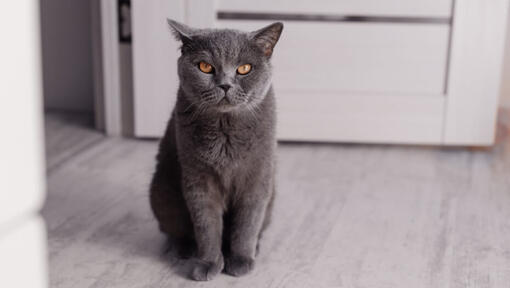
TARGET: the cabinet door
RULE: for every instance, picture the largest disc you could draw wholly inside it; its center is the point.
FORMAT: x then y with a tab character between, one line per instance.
345	71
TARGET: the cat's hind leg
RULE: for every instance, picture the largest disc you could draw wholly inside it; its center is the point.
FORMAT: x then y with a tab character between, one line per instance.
173	216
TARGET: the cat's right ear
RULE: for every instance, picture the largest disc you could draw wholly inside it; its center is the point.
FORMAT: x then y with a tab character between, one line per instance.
180	31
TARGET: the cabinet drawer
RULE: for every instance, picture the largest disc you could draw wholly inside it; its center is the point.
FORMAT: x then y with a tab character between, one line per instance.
403	8
358	57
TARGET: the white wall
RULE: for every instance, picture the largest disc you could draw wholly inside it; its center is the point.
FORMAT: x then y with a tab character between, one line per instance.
67	54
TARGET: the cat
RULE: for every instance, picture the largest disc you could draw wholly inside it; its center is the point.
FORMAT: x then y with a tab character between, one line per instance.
214	183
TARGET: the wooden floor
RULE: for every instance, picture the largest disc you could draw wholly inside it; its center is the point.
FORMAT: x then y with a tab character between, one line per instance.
345	216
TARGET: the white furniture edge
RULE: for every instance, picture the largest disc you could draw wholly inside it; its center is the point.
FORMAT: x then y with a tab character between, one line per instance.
23	250
477	52
22	185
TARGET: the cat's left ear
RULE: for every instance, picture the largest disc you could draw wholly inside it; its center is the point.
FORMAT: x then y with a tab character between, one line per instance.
267	37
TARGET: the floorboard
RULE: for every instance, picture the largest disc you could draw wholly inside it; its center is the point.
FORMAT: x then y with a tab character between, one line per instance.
67	133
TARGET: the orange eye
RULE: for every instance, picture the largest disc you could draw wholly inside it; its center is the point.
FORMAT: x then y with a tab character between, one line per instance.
205	67
244	69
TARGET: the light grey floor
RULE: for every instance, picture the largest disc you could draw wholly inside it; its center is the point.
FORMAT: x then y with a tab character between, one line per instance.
345	216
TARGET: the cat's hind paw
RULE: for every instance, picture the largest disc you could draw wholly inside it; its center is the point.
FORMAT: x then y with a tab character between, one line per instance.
237	265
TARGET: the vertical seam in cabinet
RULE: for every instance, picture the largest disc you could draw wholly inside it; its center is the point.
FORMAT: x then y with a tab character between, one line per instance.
447	72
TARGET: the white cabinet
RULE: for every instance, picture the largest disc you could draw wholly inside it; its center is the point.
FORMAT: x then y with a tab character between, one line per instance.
385	71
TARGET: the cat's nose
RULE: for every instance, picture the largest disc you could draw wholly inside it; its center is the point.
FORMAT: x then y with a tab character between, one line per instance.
225	87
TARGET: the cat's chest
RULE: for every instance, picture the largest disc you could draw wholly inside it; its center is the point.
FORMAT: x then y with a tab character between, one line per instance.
223	143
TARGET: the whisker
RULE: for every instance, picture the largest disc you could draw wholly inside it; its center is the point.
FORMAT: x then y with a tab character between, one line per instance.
252	111
189	107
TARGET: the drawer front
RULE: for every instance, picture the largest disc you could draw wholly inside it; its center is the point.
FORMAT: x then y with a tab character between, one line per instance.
358	57
359	117
407	8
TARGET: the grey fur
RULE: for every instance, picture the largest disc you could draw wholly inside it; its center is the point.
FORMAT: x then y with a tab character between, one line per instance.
214	182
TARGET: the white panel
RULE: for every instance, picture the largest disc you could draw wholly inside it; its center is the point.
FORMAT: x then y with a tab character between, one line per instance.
368	57
475	74
359	118
21	153
23	255
436	8
155	53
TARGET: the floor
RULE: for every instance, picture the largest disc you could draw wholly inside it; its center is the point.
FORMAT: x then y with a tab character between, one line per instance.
345	215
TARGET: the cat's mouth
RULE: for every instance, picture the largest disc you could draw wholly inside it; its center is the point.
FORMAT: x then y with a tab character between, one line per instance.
225	105
224	101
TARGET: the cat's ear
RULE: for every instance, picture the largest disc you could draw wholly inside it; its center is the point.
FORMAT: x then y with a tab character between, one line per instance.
181	32
267	37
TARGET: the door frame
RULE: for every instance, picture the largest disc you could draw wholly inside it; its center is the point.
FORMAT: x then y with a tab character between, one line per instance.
107	74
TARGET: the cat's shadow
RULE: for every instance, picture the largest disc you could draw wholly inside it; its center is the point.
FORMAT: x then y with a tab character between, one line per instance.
134	235
169	253
178	257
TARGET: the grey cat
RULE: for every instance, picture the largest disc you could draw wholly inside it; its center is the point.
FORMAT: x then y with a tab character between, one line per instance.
214	182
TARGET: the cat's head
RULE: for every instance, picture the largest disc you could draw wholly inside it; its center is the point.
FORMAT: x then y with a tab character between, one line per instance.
225	70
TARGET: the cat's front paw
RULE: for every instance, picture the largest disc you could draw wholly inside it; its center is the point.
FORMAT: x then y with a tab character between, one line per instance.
237	265
206	270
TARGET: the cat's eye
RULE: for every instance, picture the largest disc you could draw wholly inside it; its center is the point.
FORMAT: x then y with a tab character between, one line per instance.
244	69
205	67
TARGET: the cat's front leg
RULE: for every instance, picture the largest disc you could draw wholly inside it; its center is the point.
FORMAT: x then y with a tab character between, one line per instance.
206	214
247	219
